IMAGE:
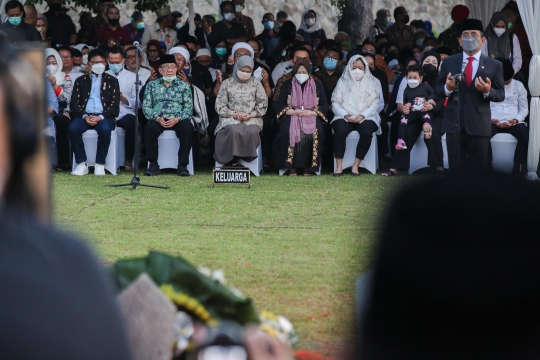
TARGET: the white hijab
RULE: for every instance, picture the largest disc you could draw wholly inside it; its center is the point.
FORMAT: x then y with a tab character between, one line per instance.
315	26
59	74
356	96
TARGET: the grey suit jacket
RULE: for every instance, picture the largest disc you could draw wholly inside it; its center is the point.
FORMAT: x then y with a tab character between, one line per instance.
475	112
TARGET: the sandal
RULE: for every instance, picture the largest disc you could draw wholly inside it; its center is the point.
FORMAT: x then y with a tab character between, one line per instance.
427	130
293	173
389	173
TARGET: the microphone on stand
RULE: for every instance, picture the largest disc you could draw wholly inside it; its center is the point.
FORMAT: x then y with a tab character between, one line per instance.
137	45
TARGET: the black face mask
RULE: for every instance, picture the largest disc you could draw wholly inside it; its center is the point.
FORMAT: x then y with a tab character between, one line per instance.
56	7
114	22
429	69
406	19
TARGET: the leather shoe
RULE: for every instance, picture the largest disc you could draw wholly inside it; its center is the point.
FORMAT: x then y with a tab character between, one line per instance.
153	169
182	171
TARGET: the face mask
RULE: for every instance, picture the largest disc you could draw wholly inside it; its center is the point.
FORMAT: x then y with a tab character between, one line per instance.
284	53
15	21
388	19
187	71
413	83
406	20
76	69
310	21
85	59
510	25
243	75
345	53
499	31
221	51
169	79
357	74
114	22
41	29
470	44
277	26
239	8
115	68
98	69
330	63
51	69
420	42
229	16
140	26
429	69
56	7
301	78
268	25
178	25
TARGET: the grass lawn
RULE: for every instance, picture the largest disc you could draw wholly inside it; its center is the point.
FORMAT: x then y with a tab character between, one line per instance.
294	245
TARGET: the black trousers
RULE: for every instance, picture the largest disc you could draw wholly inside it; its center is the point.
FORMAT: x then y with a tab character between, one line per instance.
183	130
473	152
343	128
521	133
382	140
413	116
128	124
402	158
62	140
435	148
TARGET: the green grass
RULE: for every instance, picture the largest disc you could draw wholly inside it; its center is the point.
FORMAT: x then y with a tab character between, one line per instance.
294	245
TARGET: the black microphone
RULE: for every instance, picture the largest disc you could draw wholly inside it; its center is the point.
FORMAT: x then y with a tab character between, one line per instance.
462	71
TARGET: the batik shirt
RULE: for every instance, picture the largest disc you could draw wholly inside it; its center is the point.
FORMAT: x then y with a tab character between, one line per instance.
174	101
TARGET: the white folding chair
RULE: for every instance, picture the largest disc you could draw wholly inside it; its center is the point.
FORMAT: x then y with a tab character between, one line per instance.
371	161
255	166
419	154
168	145
503	147
90	139
121	147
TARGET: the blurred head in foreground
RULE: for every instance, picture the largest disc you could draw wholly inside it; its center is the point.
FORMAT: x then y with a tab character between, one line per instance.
457	273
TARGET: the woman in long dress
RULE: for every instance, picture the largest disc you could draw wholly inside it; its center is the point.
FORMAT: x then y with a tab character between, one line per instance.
301	109
241	103
356	103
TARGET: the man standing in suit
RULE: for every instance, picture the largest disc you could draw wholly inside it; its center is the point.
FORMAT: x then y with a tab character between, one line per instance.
482	82
95	103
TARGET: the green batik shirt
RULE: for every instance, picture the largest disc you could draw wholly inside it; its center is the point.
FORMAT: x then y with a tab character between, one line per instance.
174	101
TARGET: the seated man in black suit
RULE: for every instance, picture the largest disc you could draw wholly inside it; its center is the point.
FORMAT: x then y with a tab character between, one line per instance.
95	103
481	83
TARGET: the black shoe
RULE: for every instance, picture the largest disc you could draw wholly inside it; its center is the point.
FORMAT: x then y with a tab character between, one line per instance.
337	174
153	169
182	171
354	174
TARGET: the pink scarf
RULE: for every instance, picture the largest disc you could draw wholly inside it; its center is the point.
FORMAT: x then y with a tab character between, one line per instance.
307	99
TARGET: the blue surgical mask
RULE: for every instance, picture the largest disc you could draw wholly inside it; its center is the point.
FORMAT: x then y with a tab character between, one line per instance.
15	21
330	63
169	79
221	51
420	42
268	25
115	68
187	71
140	26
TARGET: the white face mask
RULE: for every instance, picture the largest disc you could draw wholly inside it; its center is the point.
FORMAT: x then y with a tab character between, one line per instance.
51	69
310	22
239	8
85	59
243	75
229	16
98	69
178	25
413	83
357	74
76	69
302	78
499	31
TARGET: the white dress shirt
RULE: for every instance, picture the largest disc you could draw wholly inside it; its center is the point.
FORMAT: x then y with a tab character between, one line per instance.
475	64
126	81
514	105
515	56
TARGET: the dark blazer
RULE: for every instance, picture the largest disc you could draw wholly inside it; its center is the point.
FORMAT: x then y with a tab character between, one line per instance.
110	95
475	112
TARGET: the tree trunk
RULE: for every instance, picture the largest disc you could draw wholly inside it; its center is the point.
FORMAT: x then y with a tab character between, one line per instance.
356	20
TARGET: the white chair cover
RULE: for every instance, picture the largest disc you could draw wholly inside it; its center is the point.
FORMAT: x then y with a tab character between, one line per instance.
419	154
370	163
503	147
255	166
90	139
168	145
530	14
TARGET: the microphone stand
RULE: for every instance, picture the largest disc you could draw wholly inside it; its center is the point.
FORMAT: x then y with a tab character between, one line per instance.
136	181
456	123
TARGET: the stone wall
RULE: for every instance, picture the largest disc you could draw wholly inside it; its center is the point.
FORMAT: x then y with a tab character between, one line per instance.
438	11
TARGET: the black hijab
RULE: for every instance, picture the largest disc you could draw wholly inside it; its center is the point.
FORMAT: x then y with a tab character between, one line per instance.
498	46
431	79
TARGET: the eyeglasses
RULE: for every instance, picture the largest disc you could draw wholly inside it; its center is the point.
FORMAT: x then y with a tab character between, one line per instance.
169	67
332	57
98	62
365	51
237	56
130	57
65	57
181	61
